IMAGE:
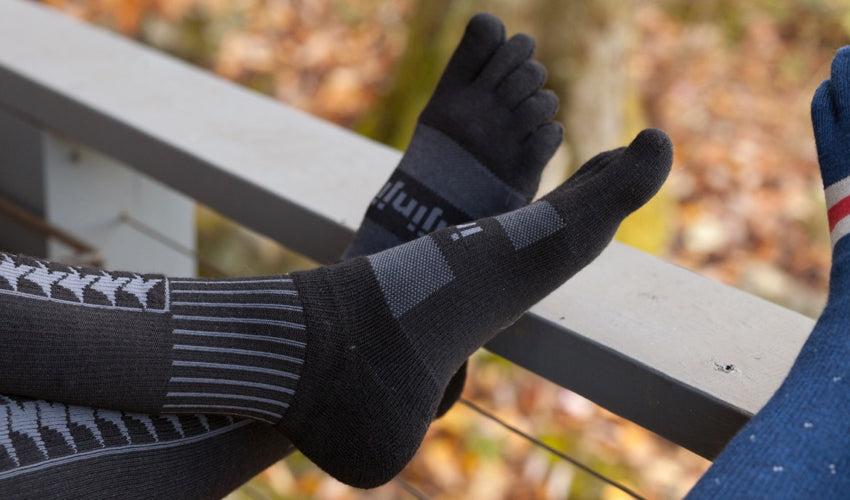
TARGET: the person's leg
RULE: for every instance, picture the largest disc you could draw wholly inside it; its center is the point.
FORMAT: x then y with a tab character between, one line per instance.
350	361
215	460
798	445
478	150
51	450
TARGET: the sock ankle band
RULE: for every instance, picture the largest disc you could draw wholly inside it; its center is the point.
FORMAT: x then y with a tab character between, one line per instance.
238	346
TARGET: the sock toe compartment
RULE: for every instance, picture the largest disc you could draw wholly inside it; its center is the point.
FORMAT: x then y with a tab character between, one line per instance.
527	79
506	59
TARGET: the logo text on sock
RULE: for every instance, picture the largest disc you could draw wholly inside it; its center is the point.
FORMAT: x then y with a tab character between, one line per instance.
464	230
421	219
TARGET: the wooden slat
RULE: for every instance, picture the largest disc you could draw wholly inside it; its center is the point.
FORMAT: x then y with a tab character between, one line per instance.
684	356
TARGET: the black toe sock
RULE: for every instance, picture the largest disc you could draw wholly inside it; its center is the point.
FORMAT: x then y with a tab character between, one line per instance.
406	319
478	149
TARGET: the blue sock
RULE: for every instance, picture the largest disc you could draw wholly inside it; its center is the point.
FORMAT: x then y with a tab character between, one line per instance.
798	445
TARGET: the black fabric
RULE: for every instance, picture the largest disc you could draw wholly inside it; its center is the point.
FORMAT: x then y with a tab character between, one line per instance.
58	350
186	457
414	212
382	393
184	346
354	358
399	355
118	352
489	101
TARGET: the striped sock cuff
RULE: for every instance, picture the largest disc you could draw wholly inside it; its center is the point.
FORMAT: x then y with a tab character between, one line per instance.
238	346
838	206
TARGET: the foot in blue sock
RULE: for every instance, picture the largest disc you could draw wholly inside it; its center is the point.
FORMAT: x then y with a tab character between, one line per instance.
798	445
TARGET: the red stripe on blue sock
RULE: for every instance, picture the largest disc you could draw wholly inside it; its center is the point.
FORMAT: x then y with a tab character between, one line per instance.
838	211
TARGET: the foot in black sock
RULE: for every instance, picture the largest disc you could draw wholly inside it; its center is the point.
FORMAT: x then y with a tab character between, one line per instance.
478	150
434	301
351	360
479	147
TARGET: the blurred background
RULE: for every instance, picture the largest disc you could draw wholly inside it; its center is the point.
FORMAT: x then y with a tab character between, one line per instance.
729	81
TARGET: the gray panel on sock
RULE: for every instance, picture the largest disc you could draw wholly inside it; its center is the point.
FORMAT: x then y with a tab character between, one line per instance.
532	224
410	273
475	189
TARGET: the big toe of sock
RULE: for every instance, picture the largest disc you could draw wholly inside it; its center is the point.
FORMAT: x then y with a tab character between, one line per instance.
831	120
484	34
840	78
832	150
620	181
632	179
485	29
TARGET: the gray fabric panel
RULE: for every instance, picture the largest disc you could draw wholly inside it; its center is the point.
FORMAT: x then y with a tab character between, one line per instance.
410	273
531	224
435	158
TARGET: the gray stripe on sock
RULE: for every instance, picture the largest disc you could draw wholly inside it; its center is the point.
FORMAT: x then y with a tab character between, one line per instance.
213	395
244	352
242	336
227	410
531	224
472	230
228	366
208	365
237	292
233	281
221	381
434	159
237	305
409	274
249	321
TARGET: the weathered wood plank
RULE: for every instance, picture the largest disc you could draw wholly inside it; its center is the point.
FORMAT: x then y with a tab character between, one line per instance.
684	356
